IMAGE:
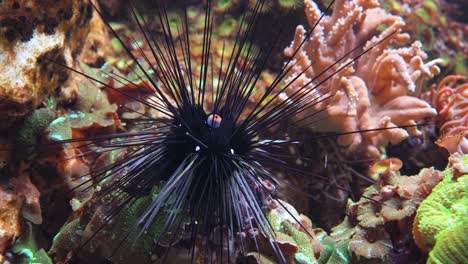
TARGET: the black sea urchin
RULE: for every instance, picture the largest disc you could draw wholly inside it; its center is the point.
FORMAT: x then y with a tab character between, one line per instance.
212	158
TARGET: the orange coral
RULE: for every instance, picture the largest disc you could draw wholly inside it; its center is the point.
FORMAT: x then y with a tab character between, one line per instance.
451	101
377	90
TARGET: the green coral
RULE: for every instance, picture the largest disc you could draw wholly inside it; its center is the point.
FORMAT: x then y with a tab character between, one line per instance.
442	220
28	249
141	248
60	129
223	5
137	249
289	4
335	252
228	27
305	253
451	245
32	128
92	107
67	239
286	231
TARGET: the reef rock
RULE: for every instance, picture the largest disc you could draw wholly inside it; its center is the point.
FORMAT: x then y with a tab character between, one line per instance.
36	37
378	90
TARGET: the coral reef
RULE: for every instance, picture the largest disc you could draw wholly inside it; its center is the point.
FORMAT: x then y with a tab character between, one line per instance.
223	42
294	235
335	176
336	253
376	91
275	6
379	224
47	210
19	199
10	208
431	22
91	115
90	218
33	127
33	35
28	249
451	101
441	221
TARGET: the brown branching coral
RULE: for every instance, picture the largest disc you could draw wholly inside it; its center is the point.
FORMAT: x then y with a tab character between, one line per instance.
380	222
451	101
376	91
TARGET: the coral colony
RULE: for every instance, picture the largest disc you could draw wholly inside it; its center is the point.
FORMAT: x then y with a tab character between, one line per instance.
233	131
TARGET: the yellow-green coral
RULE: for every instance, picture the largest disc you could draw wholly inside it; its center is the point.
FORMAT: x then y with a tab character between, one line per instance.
456	250
335	252
296	244
28	249
442	220
305	253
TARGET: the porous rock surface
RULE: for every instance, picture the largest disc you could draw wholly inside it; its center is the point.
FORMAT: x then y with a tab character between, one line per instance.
36	37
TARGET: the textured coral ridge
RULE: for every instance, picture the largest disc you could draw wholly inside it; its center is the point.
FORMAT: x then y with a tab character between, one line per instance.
441	222
378	226
377	91
31	33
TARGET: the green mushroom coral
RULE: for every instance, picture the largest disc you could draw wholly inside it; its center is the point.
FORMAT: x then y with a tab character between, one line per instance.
441	222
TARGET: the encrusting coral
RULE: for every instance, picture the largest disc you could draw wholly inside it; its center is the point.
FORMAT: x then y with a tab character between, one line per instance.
441	221
379	224
450	98
376	91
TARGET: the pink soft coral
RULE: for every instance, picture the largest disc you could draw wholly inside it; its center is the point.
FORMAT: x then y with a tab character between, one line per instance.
375	91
